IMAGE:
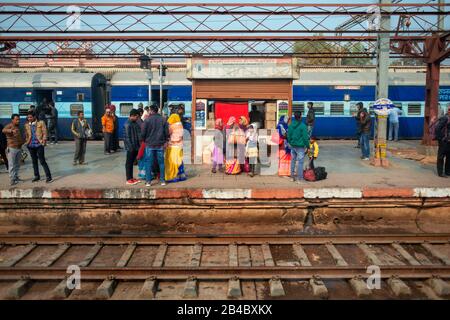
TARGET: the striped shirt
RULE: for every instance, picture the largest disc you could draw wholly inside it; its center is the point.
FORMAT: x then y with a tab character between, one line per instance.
34	143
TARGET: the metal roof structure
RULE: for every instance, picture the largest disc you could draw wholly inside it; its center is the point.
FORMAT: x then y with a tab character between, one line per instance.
121	29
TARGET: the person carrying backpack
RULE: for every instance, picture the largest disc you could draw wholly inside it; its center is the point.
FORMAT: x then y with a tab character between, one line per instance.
442	134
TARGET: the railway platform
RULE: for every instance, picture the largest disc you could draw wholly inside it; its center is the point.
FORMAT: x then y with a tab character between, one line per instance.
342	161
356	197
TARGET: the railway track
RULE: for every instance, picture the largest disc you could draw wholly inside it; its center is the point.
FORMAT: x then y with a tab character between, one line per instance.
416	266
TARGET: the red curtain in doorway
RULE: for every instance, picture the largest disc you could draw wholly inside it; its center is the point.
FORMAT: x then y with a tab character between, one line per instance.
224	110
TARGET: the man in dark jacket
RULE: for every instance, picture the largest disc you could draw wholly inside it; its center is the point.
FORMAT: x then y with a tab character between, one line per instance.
80	128
310	118
365	126
256	116
115	146
357	116
443	137
53	123
42	110
155	134
298	139
131	140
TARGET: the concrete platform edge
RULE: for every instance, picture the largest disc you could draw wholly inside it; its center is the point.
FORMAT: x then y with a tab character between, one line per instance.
252	194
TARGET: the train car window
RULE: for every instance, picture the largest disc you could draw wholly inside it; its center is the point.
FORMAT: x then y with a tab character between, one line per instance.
319	108
337	109
23	108
298	107
353	108
125	109
6	110
74	108
414	109
80	96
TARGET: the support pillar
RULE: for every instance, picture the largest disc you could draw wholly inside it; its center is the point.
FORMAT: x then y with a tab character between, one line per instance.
432	47
382	88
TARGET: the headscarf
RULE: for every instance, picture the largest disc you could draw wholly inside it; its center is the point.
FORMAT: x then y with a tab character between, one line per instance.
282	126
253	136
243	122
175	131
219	124
231	122
174	118
111	107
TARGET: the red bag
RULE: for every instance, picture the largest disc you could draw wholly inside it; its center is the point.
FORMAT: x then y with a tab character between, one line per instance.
246	166
309	175
141	151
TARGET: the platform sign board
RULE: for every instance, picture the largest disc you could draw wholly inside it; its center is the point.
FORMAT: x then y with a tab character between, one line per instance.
242	68
282	109
200	113
444	94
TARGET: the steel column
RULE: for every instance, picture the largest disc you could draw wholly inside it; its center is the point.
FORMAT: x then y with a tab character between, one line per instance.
382	87
433	48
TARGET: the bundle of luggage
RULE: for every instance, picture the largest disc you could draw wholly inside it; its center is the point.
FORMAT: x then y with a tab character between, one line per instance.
316	174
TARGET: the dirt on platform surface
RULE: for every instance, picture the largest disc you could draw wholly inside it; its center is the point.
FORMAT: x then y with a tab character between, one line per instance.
412	154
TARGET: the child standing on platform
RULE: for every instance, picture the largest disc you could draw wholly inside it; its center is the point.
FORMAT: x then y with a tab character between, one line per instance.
313	152
251	149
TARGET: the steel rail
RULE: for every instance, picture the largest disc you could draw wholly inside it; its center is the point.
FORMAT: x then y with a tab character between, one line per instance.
176	239
223	273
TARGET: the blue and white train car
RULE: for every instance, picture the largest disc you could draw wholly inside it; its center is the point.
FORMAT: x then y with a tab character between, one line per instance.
335	94
71	93
130	90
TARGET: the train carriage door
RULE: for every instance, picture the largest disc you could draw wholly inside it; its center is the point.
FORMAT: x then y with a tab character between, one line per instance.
98	102
40	94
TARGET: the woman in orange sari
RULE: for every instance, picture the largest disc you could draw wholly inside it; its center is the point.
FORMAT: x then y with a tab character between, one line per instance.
235	146
173	160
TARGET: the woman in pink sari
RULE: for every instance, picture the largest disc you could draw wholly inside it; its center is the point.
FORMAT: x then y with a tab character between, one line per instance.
218	147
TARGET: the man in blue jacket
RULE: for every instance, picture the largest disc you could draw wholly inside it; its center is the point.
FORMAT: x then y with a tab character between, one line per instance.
155	134
298	139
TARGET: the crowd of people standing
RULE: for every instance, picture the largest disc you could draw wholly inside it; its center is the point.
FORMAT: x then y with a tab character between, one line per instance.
155	142
235	146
